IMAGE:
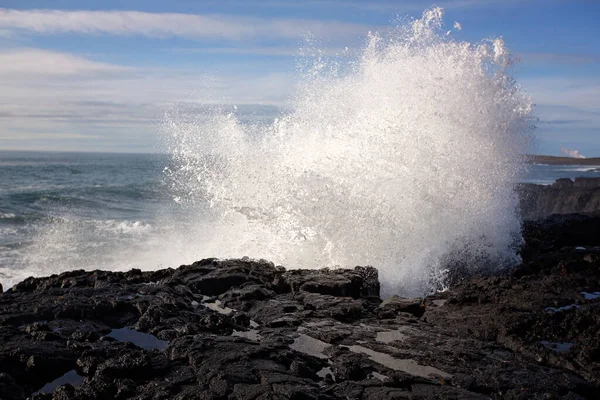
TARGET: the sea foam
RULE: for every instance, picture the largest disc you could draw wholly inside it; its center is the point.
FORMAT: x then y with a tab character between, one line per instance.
405	158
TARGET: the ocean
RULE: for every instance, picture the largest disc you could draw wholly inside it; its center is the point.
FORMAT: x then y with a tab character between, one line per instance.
542	174
61	211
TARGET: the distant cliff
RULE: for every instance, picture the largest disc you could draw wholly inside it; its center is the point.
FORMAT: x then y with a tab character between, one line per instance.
564	196
552	160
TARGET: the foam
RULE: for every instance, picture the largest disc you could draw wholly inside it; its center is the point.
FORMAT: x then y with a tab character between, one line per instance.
403	158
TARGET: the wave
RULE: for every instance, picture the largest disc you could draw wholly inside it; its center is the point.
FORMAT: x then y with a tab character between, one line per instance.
58	243
398	159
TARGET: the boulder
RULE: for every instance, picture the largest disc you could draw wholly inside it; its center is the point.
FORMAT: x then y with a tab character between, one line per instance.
398	304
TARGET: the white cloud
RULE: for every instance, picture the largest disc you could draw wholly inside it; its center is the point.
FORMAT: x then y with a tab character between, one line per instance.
571	153
276	51
477	3
161	25
48	136
37	74
63	98
384	6
27	62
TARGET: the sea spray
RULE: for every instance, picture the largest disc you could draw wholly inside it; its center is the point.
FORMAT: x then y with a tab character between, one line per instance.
404	158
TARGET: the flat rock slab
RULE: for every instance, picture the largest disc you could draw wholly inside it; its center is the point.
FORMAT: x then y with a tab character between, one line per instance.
415	307
244	329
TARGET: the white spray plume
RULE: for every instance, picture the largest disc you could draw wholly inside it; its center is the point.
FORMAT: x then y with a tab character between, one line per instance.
571	153
398	160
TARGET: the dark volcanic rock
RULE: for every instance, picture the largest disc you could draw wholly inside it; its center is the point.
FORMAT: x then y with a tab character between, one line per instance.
360	282
562	197
243	329
400	304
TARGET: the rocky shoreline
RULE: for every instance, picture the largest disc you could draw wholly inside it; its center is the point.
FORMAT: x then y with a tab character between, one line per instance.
243	329
553	160
564	196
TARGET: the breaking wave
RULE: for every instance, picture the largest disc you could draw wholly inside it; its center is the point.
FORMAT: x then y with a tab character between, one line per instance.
405	158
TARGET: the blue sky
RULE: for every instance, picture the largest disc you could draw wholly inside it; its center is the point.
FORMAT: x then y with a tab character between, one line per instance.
98	75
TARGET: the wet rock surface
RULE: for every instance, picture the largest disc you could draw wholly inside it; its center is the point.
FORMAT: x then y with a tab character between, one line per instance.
562	197
243	329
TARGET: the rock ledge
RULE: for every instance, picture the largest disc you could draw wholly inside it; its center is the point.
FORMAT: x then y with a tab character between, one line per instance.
243	329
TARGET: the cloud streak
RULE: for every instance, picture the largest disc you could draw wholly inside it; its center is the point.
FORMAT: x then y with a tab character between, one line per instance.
24	63
56	96
165	25
271	51
403	6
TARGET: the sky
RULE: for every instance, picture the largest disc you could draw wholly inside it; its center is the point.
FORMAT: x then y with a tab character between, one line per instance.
82	75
